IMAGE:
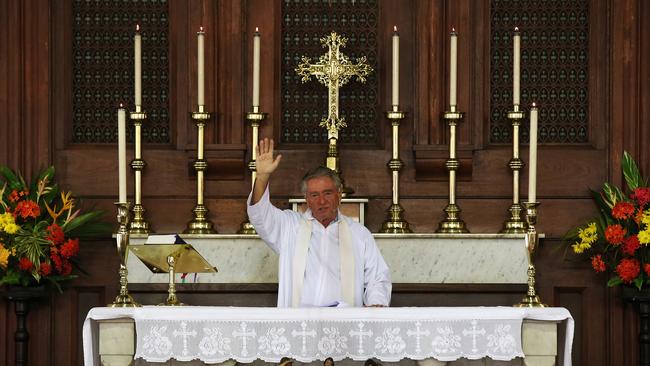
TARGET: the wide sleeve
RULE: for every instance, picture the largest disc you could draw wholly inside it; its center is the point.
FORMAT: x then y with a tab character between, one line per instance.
377	281
271	223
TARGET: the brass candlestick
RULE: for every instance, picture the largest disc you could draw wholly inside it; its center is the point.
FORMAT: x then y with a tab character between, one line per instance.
124	299
531	300
514	224
200	223
255	117
138	225
452	223
395	223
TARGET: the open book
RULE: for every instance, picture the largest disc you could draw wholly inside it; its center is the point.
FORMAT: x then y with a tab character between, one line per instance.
165	239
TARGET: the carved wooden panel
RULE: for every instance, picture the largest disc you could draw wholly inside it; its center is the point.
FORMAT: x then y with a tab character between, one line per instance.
305	104
555	68
103	75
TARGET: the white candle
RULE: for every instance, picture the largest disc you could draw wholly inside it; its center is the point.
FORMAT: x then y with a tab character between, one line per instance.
121	151
532	160
137	52
200	39
516	65
395	100
453	57
256	68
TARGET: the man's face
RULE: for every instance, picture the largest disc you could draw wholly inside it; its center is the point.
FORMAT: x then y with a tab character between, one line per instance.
323	199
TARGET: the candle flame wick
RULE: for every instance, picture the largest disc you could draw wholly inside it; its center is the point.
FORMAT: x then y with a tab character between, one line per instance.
257	29
516	29
201	29
137	27
453	30
394	28
121	105
534	105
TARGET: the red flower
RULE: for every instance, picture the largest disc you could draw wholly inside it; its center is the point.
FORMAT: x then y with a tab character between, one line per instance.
14	196
66	269
45	269
638	216
646	268
628	269
56	259
25	264
615	234
70	248
27	209
641	195
630	245
597	263
55	234
622	210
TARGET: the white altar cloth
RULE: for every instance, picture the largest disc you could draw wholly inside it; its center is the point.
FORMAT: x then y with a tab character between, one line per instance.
216	334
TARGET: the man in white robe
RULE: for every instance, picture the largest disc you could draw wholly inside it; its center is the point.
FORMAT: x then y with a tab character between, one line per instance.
326	258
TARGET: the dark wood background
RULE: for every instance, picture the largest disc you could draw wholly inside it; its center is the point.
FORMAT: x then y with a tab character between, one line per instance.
36	115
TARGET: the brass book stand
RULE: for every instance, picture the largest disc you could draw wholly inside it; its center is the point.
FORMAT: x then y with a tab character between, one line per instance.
172	258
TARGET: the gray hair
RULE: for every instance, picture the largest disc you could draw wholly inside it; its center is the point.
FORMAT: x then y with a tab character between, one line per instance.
318	172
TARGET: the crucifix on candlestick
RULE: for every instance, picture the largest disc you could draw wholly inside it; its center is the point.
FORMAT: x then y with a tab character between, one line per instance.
333	70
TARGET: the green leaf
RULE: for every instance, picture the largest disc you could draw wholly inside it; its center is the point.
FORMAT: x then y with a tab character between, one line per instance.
88	225
638	282
15	181
10	278
633	177
614	281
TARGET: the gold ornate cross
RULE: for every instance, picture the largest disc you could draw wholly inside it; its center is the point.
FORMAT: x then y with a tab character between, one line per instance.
333	70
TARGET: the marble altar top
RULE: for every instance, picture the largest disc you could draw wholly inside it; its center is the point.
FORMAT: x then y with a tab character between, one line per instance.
412	258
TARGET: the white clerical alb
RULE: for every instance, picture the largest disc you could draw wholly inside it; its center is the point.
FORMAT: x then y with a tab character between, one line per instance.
328	258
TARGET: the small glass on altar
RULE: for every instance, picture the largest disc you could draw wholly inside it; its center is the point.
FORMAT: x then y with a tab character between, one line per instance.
172	258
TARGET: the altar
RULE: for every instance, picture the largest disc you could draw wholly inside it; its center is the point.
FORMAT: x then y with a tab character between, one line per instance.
115	336
412	258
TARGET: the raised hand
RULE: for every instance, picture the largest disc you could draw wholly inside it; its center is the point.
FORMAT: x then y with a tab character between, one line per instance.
265	164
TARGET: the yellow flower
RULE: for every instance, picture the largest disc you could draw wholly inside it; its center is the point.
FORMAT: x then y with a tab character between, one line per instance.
11	228
646	218
644	237
4	256
6	218
580	247
589	234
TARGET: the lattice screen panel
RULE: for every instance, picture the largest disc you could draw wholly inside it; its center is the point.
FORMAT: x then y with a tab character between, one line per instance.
304	23
103	68
554	67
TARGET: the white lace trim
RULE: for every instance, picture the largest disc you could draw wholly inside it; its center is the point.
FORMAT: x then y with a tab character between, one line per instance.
308	340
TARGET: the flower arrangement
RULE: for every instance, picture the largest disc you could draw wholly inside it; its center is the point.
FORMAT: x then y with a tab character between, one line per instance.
40	228
617	241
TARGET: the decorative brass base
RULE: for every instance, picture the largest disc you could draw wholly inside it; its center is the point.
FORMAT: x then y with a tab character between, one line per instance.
172	300
139	225
246	228
200	223
514	225
124	299
395	224
452	224
531	300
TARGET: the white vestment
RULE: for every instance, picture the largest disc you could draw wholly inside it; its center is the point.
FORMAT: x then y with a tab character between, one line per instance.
322	278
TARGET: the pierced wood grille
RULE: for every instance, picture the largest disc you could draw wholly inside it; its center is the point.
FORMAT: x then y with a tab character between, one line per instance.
554	67
304	23
103	78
